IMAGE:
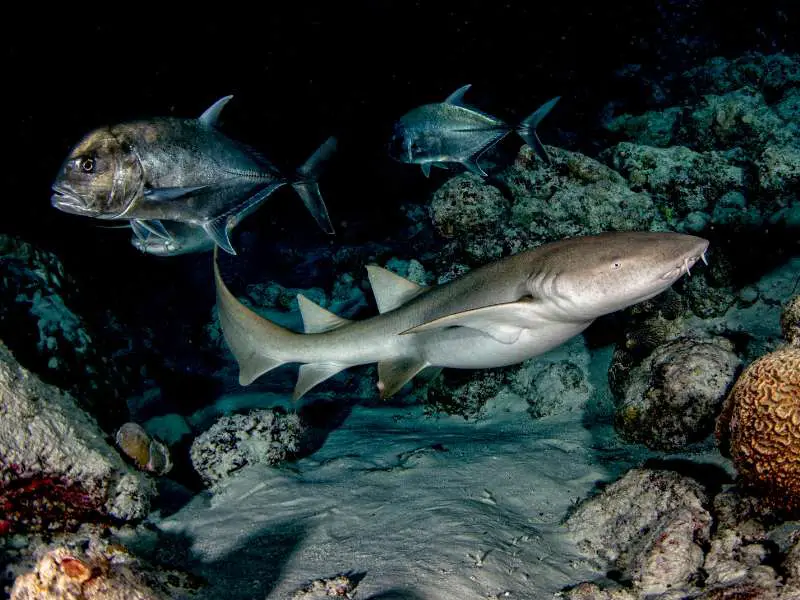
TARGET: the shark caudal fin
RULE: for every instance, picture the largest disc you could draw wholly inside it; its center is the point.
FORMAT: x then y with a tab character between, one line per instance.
257	344
307	187
527	129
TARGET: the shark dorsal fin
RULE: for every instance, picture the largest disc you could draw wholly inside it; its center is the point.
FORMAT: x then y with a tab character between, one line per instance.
457	97
317	319
390	289
211	114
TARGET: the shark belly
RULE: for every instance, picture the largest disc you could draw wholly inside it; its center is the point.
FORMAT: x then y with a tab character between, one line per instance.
466	348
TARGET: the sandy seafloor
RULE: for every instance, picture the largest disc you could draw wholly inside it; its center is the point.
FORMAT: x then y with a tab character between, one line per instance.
422	507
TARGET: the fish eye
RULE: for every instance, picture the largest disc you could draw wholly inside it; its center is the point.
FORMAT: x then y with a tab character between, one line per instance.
87	164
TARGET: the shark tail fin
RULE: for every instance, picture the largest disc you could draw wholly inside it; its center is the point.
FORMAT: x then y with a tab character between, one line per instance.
257	344
527	129
307	187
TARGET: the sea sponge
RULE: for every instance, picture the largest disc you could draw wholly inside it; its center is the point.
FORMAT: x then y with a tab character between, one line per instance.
760	423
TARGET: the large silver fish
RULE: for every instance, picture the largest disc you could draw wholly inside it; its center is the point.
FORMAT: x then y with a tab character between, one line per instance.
500	314
451	132
184	170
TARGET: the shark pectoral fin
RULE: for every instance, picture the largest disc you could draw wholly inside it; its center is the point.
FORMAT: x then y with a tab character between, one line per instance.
394	374
317	319
211	114
457	97
218	230
171	193
440	165
312	374
426	169
390	289
503	322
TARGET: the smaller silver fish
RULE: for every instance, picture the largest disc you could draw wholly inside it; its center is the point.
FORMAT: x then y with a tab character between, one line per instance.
450	132
183	239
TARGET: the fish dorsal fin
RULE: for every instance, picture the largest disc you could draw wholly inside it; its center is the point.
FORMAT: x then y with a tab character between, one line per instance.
503	322
390	289
317	319
312	374
211	115
394	374
457	97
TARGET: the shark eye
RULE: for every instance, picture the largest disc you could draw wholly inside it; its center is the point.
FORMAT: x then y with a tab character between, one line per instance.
87	165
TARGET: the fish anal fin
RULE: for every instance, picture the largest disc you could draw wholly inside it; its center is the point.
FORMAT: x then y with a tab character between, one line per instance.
211	114
317	319
391	290
471	164
503	322
312	374
457	97
219	231
394	374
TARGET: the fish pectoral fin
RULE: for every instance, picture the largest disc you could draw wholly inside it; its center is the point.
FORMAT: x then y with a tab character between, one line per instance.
152	226
394	374
312	374
426	169
171	193
391	290
219	231
457	97
503	322
211	114
317	319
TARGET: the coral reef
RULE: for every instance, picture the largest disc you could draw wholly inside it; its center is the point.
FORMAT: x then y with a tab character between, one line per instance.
90	565
664	540
39	324
673	396
233	442
760	427
790	321
56	467
529	203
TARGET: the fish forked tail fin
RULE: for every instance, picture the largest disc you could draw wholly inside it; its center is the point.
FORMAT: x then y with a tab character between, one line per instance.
257	344
307	187
527	129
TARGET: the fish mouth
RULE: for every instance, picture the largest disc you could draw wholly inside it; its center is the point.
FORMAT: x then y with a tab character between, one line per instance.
67	202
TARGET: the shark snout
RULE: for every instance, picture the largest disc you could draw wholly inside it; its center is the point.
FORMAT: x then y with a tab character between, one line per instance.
688	258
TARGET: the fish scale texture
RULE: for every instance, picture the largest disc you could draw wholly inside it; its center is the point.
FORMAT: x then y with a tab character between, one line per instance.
43	434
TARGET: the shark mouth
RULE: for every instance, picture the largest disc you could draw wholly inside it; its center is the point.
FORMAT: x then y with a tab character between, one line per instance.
689	261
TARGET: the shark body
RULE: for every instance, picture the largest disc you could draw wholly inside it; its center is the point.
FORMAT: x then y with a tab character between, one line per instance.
500	314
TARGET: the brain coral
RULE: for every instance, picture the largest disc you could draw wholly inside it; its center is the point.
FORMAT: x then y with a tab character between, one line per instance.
761	422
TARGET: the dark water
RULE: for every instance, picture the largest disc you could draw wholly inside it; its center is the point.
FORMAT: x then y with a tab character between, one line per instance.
303	71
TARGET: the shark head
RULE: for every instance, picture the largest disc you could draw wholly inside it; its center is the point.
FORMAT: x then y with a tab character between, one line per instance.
587	277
